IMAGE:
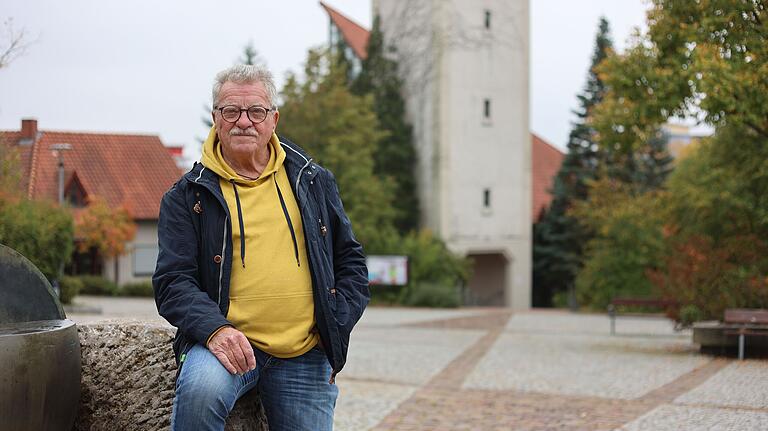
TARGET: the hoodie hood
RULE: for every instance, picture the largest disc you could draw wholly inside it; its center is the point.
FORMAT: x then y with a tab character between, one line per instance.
214	160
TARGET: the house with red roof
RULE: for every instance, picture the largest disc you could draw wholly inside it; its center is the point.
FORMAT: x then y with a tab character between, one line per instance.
124	170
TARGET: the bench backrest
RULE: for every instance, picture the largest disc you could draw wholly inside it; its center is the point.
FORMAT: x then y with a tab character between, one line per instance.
746	315
648	302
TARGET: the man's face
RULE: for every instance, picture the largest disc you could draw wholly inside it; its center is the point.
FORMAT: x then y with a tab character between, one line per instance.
244	137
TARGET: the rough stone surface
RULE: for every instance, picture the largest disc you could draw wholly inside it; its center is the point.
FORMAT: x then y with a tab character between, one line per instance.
686	418
740	384
128	380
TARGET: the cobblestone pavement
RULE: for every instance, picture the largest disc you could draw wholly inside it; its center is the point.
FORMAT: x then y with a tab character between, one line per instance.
490	369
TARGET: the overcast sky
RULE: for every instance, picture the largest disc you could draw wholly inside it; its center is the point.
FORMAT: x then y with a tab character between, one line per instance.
146	66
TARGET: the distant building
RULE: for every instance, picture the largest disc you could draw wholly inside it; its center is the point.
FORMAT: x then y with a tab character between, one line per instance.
132	171
680	137
465	69
545	163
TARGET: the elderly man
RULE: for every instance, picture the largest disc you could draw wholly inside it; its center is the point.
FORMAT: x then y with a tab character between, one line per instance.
258	269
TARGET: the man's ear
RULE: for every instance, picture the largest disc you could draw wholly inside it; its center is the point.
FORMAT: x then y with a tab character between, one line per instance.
277	118
213	117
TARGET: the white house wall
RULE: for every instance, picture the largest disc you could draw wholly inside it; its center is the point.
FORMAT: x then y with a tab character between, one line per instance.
146	237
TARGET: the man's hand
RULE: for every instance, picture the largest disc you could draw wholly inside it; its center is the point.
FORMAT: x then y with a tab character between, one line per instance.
233	350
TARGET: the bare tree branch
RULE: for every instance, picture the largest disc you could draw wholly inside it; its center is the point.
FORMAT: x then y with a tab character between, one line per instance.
13	43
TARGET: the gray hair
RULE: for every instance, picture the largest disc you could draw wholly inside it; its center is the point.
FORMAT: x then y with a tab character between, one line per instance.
246	74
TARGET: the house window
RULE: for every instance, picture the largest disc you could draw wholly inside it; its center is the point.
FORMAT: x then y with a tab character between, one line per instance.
144	259
486	198
487	19
487	109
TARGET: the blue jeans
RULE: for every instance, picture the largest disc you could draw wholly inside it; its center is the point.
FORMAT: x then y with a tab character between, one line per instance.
295	392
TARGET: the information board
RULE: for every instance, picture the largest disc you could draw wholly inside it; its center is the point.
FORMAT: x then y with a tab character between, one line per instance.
387	270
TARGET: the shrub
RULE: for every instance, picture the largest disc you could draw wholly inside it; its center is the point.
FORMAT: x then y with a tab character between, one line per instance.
716	225
40	231
141	288
433	295
628	242
69	288
97	285
433	270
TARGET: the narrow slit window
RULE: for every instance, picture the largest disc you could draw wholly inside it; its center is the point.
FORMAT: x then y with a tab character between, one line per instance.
487	19
487	108
486	198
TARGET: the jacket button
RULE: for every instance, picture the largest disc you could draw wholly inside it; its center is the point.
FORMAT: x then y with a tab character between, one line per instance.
217	258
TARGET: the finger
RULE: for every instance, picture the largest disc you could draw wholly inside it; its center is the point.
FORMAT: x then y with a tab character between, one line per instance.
250	359
238	354
224	360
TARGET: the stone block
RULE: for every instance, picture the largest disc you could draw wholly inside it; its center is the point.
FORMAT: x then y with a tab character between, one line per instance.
128	376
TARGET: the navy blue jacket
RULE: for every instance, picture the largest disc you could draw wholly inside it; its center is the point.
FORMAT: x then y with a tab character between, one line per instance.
194	263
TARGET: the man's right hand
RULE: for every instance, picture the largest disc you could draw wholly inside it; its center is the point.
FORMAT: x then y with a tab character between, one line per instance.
232	349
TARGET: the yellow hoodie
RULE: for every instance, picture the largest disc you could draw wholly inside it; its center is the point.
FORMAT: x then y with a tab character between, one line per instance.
270	293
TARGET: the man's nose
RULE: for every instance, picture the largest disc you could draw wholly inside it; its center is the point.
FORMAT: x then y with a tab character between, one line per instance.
244	122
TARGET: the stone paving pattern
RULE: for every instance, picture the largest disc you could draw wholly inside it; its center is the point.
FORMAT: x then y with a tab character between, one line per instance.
491	369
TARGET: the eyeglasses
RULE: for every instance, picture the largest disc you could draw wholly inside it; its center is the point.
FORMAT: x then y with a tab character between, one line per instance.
232	113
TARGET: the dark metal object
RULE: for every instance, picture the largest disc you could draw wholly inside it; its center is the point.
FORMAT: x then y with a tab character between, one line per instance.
39	351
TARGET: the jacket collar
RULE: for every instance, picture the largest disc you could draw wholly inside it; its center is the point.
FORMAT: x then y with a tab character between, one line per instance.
298	165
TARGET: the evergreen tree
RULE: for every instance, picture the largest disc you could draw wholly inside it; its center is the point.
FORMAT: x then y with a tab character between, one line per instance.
394	155
643	169
251	56
558	238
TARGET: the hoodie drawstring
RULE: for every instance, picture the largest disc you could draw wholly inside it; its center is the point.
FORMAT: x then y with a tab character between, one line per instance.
240	220
285	213
288	219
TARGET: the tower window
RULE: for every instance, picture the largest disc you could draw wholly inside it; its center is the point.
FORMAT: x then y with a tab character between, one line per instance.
487	108
487	19
486	198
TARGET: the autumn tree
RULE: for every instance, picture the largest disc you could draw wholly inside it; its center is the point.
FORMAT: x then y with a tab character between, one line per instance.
703	59
104	228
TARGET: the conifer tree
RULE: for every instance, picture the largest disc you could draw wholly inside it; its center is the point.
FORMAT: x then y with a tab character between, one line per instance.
558	238
395	155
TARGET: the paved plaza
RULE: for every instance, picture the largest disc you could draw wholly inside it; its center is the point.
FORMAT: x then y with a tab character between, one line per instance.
491	369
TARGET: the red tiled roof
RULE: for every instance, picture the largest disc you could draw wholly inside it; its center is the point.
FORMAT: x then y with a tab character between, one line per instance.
545	162
354	34
133	171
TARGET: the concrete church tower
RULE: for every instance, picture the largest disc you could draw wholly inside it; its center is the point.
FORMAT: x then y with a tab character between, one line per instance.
465	65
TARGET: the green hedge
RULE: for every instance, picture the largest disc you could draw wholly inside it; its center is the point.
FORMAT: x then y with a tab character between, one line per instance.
97	285
69	287
142	289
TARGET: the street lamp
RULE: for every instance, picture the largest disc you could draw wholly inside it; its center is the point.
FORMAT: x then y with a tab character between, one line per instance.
59	149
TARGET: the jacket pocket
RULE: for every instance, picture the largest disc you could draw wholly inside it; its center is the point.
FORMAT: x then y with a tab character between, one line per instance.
339	306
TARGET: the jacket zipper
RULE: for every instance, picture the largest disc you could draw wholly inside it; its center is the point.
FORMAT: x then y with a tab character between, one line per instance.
223	254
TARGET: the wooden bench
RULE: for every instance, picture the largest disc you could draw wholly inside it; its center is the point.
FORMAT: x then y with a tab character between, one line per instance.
662	304
746	321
